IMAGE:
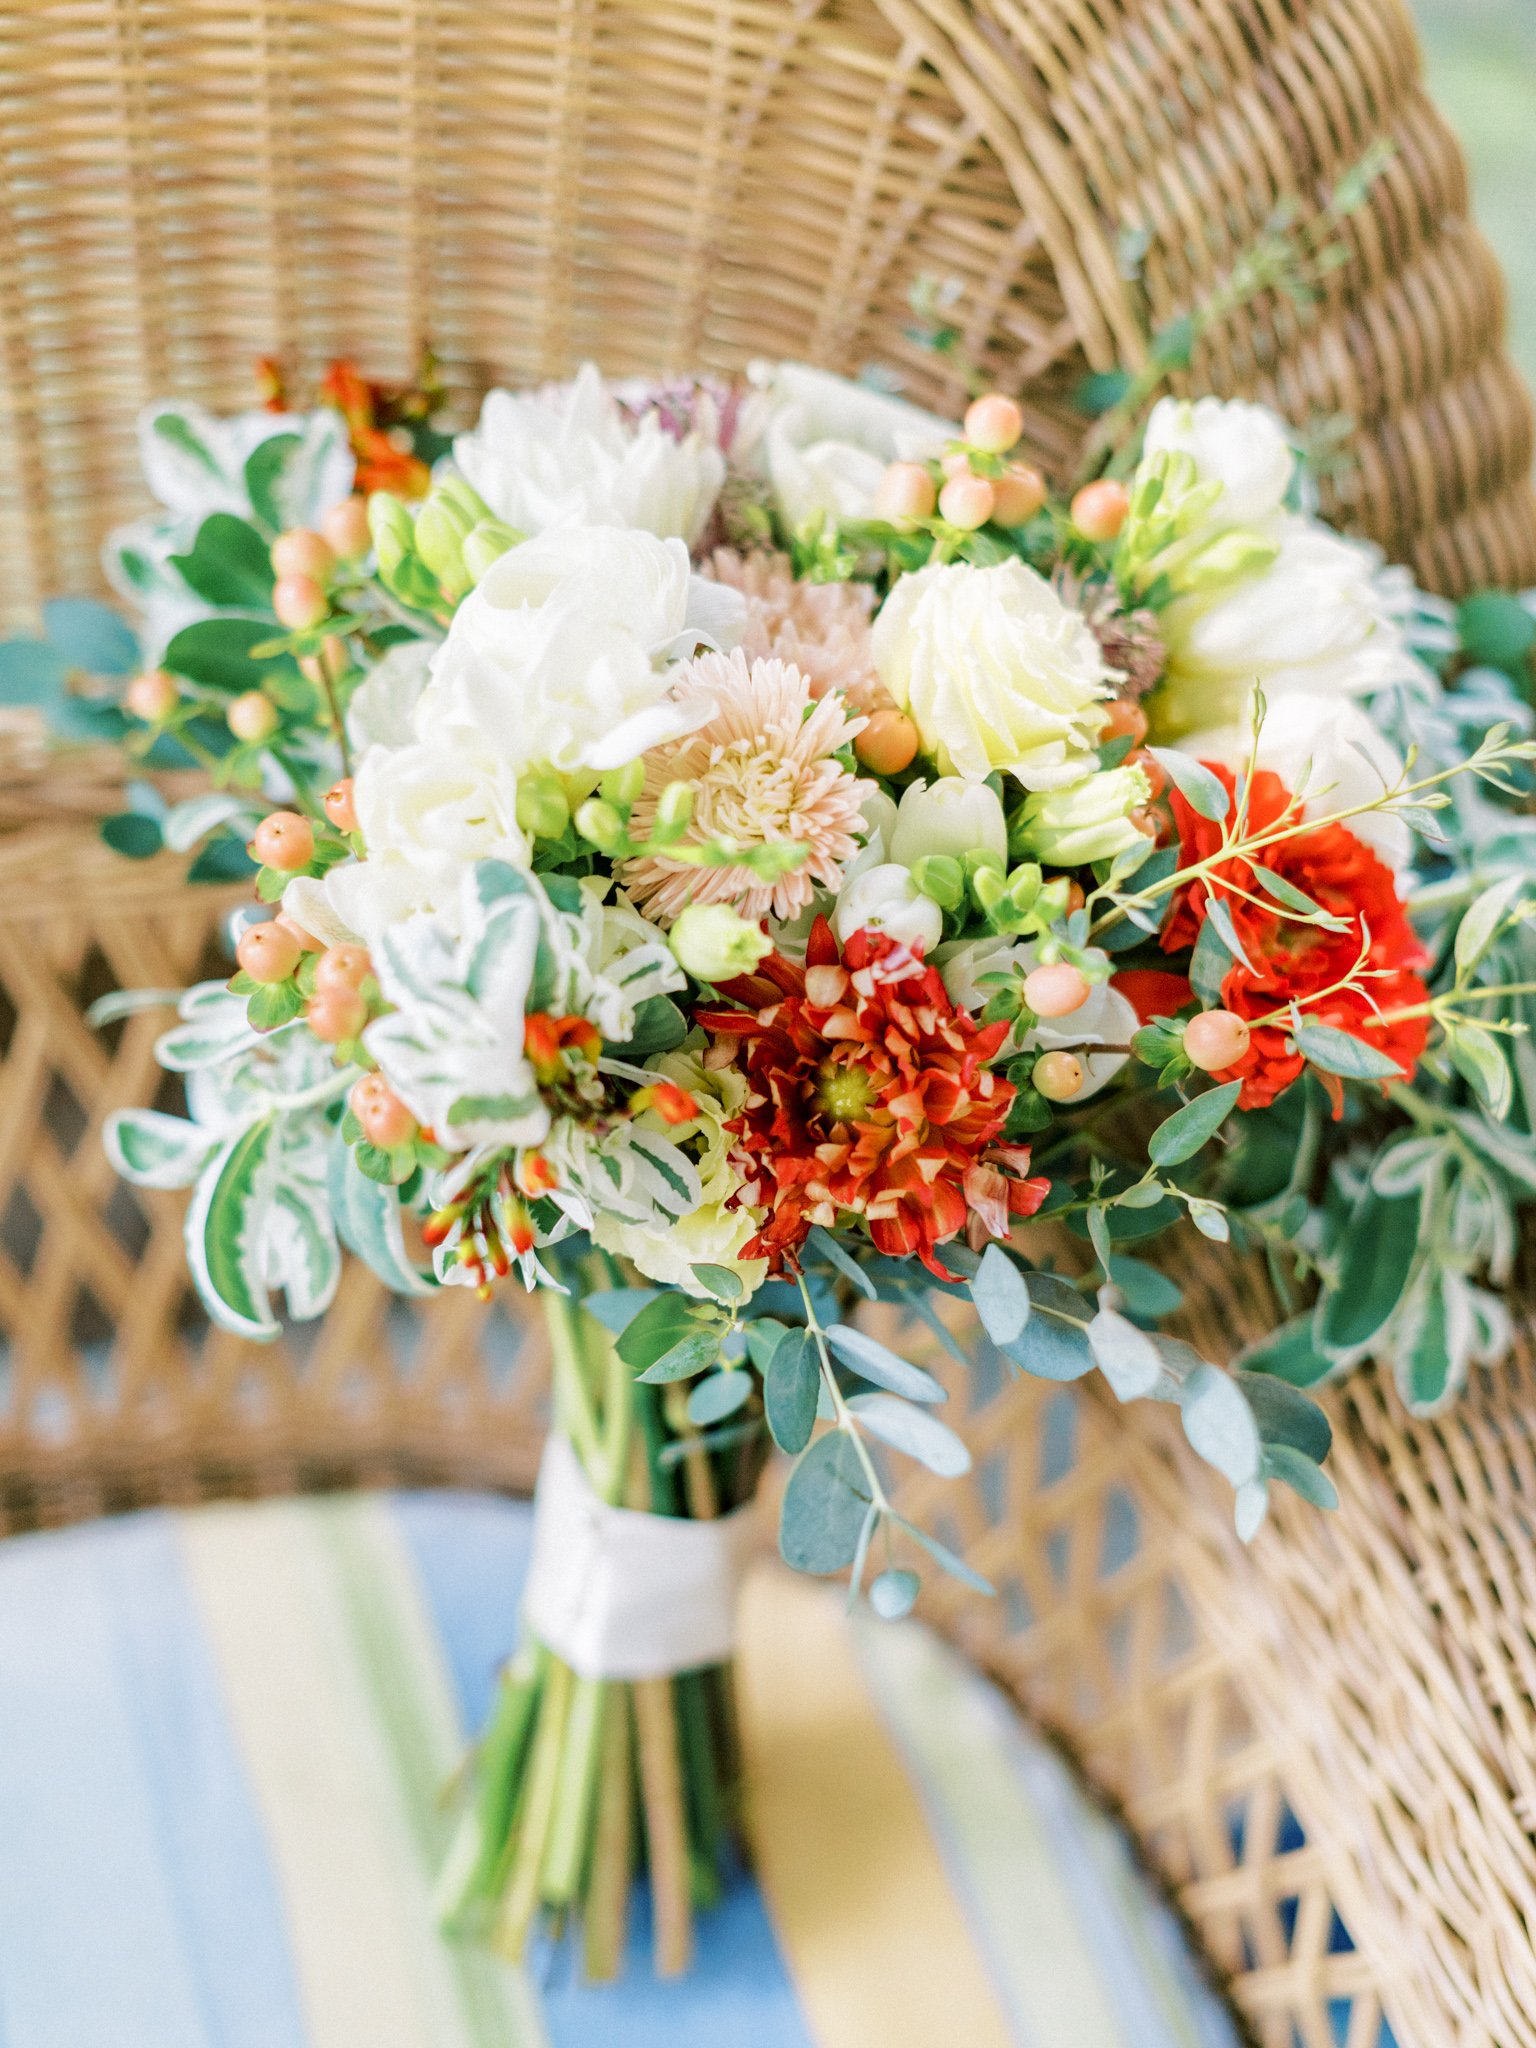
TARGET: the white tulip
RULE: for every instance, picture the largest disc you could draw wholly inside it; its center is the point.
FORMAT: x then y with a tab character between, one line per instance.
1330	746
1240	446
1105	1018
995	670
569	456
1315	621
382	711
883	900
951	816
825	443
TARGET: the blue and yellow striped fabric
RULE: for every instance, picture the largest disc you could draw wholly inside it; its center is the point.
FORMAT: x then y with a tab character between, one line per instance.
224	1738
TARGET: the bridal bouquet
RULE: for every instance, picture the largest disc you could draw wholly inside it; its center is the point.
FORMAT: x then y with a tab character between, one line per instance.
724	854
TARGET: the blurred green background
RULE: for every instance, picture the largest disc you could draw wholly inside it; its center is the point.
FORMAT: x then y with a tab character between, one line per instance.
1481	59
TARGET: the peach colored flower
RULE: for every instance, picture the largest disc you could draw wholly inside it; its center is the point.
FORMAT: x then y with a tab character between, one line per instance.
764	771
823	628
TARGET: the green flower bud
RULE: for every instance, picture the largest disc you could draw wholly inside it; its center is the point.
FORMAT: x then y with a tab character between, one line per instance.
600	825
440	535
674	811
487	543
714	943
1091	820
462	500
988	888
1227	559
622	786
393	531
940	877
1024	886
543	809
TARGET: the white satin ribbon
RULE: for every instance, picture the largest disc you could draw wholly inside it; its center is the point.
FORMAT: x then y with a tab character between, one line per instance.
620	1594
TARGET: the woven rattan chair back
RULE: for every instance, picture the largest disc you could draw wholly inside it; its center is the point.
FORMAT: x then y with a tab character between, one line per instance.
186	184
1323	1744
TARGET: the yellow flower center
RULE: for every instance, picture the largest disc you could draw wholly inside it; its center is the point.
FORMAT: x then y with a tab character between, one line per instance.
843	1094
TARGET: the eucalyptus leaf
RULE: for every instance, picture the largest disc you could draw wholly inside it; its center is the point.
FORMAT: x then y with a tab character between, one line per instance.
791	1388
718	1395
1220	1425
1055	1344
1001	1296
91	636
914	1431
1181	1135
874	1361
720	1281
825	1503
1340	1052
616	1307
827	1247
684	1360
1299	1473
657	1327
1200	789
894	1593
1286	1416
1126	1356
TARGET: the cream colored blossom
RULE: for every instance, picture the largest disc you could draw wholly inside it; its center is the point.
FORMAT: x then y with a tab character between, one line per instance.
764	772
713	1233
821	628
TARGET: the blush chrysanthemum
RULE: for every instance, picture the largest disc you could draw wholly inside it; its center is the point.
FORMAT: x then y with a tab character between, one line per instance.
764	772
821	628
870	1095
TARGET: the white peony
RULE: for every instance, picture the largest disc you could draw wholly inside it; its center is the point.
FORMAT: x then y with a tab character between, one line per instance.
1106	1018
1315	621
713	1233
559	656
825	443
1240	446
996	671
426	814
950	816
883	899
1330	745
568	456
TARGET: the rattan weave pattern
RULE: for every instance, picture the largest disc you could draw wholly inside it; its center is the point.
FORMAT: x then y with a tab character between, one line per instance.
187	183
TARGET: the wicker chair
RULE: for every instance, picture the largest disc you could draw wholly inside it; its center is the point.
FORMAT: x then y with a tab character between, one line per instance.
1326	1744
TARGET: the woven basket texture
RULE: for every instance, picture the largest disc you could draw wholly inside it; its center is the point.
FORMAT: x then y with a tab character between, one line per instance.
1324	1744
187	183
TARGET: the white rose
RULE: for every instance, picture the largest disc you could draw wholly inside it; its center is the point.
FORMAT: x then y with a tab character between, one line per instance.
883	899
1106	1018
1240	446
1333	747
426	814
383	706
568	456
996	671
1315	621
826	442
950	816
559	655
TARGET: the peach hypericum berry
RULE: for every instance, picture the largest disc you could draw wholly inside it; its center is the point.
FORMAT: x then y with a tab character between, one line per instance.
268	952
1215	1039
285	841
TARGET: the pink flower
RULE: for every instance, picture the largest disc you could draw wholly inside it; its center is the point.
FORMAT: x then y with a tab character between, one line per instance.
823	628
764	772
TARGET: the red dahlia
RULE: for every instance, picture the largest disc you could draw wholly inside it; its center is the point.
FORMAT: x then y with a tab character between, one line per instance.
1293	963
870	1095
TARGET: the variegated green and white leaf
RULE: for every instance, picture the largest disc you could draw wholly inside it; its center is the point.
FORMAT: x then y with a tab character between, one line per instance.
156	1151
367	1215
227	1232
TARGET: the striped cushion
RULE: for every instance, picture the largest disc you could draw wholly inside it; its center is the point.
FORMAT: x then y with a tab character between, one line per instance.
223	1740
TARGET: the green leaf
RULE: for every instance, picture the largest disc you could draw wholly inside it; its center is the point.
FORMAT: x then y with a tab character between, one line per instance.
1220	1425
872	1361
1101	392
217	654
228	564
1181	1135
718	1396
1209	964
91	636
825	1503
946	1559
1479	1058
913	1431
1054	1344
133	834
1483	917
31	672
1432	1349
223	858
1289	1354
278	1003
1201	790
1146	1289
226	1229
368	1221
1286	1416
791	1386
1380	1243
1174	345
157	1151
1126	1356
659	1026
720	1281
1340	1052
1298	1472
1001	1297
1292	898
683	1360
661	1324
616	1307
1496	629
894	1594
826	1245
